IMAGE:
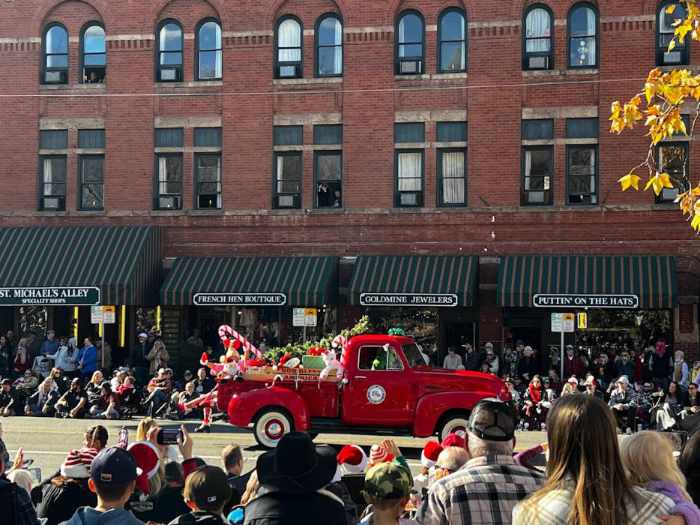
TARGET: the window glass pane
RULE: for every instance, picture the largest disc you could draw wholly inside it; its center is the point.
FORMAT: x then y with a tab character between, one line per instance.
171	59
409	132
581	128
328	134
55	172
452	131
666	20
539	129
94	40
169	138
207	137
91	138
582	21
330	60
582	175
57	61
452	56
209	36
91	183
410	29
95	60
410	50
537	31
289	34
171	37
57	40
330	32
452	26
583	51
53	139
329	166
288	135
537	176
410	171
452	170
210	64
169	174
672	158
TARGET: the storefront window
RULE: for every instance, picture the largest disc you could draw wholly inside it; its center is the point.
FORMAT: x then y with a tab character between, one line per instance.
33	319
421	324
146	320
617	329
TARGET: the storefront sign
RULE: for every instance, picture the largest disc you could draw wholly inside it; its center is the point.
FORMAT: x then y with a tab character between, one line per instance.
563	323
50	296
408	299
585	301
103	314
243	299
304	316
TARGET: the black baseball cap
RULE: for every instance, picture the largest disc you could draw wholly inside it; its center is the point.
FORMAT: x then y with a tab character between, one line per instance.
492	420
7	381
114	466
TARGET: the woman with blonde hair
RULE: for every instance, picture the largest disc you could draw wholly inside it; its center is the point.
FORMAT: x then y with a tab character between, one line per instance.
586	481
158	356
648	459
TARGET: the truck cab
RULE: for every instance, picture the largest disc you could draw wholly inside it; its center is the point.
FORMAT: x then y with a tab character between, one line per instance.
386	388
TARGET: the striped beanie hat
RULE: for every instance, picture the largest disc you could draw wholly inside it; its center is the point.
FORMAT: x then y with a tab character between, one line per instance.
378	454
77	464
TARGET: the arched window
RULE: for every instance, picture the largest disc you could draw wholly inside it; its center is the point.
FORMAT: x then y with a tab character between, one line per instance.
94	54
209	51
452	38
583	36
537	38
170	43
664	34
55	66
289	42
329	46
409	43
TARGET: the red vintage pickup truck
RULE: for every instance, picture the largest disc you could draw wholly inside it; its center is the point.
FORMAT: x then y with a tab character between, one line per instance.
386	388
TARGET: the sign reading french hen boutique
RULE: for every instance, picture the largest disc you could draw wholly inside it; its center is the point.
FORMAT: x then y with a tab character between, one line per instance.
50	296
242	299
585	301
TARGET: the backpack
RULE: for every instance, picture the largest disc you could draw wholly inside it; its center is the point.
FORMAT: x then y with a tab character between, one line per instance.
8	502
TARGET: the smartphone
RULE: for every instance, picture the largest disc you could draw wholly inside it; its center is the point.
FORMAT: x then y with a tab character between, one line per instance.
36	474
237	515
168	436
27	463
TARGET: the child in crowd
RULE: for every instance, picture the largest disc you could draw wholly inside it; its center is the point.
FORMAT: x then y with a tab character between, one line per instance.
648	459
206	492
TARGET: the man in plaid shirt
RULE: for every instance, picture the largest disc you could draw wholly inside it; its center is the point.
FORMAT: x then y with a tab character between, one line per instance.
491	484
15	503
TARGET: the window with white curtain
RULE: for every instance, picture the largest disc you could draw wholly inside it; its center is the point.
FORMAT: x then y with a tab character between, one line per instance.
409	44
329	46
452	177
289	48
537	38
665	34
583	36
55	64
288	175
208	177
409	178
53	183
169	181
452	36
209	51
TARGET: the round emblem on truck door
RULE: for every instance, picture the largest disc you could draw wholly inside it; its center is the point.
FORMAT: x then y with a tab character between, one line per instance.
376	394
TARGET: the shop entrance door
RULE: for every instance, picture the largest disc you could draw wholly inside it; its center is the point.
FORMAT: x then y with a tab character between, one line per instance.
456	335
208	319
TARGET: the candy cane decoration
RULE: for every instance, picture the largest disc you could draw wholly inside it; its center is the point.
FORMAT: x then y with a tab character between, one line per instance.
339	341
226	333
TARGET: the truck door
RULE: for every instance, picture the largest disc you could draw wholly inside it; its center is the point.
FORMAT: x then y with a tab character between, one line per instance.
380	391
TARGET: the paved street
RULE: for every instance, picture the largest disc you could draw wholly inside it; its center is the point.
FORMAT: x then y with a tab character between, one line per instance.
46	440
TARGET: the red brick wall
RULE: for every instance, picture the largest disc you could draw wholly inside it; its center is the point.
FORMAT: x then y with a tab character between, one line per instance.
247	100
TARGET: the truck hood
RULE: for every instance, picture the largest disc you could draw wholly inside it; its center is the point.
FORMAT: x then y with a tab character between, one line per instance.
454	380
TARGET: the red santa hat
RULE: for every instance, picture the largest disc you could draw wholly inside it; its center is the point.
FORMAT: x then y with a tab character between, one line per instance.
430	453
352	460
147	460
77	463
454	439
378	454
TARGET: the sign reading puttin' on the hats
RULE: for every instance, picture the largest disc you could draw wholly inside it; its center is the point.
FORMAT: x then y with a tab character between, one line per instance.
240	299
409	299
585	301
50	295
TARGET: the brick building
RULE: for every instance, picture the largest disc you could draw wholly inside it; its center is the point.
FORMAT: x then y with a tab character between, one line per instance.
458	135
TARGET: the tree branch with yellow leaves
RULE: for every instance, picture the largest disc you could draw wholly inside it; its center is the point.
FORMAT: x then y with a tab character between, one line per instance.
659	106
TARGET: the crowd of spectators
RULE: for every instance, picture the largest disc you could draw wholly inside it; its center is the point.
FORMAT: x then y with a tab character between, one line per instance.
474	478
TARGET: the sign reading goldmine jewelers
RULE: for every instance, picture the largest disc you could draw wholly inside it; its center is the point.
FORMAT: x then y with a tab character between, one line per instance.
50	295
408	299
243	299
585	301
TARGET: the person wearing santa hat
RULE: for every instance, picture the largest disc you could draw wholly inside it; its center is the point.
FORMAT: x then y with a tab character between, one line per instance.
352	460
428	457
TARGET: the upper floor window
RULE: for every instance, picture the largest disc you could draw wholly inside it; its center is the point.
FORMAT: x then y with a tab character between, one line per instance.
452	53
209	51
583	36
55	66
409	44
170	42
537	38
289	48
329	46
665	34
94	54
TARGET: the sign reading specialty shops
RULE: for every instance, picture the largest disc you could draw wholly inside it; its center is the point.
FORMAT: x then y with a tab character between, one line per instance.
242	299
50	295
585	301
408	299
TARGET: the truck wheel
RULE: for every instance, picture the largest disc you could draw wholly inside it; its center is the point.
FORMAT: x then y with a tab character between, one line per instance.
455	423
270	426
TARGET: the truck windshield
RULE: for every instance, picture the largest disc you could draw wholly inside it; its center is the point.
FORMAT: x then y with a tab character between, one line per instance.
413	355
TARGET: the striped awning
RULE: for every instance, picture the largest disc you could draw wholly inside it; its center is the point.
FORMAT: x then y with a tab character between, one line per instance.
651	278
414	280
124	262
273	281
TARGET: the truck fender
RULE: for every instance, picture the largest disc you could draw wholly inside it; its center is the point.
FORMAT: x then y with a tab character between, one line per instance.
245	406
430	409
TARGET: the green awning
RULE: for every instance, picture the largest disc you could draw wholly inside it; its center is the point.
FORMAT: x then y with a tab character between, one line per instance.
271	281
124	262
651	278
414	280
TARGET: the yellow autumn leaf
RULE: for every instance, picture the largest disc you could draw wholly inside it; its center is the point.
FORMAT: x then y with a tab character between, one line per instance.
695	223
670	9
656	184
649	91
665	180
672	45
629	181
